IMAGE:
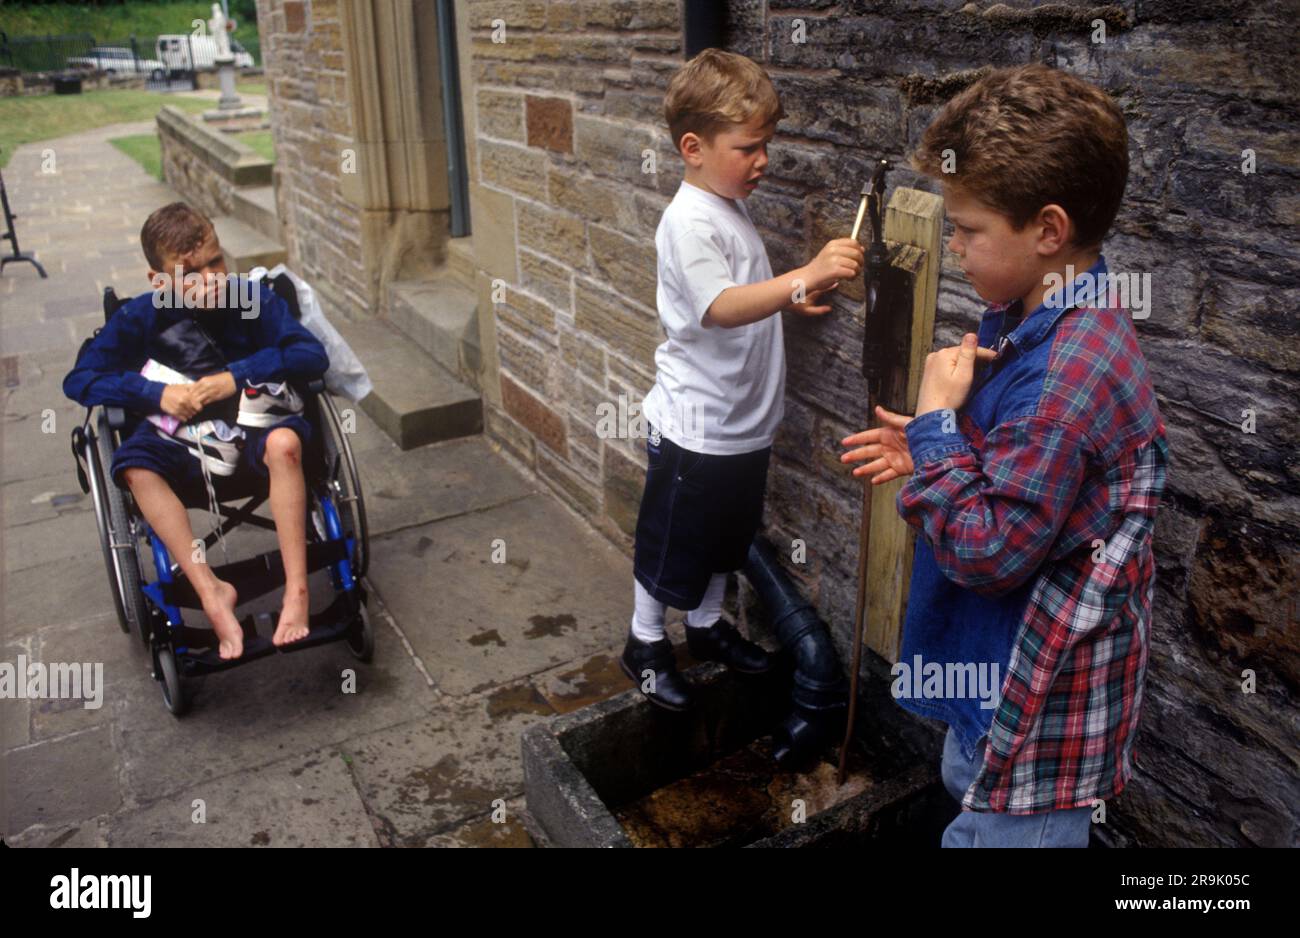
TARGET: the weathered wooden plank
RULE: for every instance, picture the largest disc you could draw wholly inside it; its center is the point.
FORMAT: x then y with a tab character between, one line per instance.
914	230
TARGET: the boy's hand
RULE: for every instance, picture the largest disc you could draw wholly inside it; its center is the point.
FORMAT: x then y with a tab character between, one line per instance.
949	373
886	445
840	259
216	387
810	306
181	400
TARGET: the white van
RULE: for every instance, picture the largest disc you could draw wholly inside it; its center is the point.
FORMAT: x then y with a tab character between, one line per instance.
185	53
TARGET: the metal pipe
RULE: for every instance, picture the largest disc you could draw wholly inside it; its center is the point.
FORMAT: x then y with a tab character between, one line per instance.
820	695
705	22
453	120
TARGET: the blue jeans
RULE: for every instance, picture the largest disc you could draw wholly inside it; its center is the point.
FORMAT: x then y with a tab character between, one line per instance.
1068	828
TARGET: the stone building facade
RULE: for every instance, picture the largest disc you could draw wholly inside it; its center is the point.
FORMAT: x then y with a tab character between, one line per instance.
570	167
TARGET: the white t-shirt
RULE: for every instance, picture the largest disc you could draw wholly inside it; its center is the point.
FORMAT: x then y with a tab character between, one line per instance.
719	391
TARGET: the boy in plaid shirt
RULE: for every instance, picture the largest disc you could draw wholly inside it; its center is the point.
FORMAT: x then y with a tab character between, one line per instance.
1034	466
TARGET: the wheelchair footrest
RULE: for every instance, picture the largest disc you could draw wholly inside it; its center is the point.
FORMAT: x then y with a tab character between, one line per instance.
255	576
197	648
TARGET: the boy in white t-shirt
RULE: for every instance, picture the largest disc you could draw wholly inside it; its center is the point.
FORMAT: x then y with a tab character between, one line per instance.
720	384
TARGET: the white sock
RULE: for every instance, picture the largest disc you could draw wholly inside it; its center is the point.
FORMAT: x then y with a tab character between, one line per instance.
710	607
648	620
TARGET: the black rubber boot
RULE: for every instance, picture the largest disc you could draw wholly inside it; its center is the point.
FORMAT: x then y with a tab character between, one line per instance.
670	690
722	642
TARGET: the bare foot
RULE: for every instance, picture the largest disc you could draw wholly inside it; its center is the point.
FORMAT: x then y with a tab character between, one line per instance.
294	617
219	607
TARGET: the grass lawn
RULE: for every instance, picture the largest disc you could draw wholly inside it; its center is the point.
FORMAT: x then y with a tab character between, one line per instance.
43	117
260	141
147	151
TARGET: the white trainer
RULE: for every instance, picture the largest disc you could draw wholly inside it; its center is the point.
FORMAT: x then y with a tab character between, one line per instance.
264	405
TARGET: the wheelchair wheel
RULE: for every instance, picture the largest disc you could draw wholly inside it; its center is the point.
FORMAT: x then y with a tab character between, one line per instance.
363	646
173	689
344	483
116	538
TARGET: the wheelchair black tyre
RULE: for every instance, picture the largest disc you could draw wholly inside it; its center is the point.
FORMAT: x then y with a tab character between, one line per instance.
173	685
122	563
344	482
362	646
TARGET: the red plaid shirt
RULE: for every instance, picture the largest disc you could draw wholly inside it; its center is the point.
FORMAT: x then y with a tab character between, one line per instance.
1050	484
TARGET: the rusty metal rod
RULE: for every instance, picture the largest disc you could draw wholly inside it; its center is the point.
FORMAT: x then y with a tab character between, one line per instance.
859	620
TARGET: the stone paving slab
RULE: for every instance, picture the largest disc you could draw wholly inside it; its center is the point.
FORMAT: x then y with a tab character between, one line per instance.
97	641
15	714
91	832
32	600
424	778
46	498
407	488
308	800
28	452
58	539
270	708
487	831
557	593
468	652
63	780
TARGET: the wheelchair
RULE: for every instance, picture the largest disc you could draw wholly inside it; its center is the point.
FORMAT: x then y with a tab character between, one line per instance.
337	540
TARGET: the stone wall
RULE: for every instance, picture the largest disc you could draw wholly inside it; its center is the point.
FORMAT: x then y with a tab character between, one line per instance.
205	165
209	79
564	116
311	124
15	83
568	105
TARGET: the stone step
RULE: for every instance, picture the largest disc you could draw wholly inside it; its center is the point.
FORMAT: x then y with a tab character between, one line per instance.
415	400
440	316
255	207
460	260
245	246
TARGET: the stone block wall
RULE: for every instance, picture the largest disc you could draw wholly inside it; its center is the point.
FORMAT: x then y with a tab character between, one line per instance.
205	165
568	101
572	167
15	83
311	124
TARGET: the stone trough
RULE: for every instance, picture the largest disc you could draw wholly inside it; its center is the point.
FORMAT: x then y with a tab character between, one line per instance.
624	773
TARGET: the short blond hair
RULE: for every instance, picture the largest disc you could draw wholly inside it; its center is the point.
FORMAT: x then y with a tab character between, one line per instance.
716	91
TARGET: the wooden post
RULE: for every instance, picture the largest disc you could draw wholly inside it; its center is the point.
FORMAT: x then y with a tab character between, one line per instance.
913	232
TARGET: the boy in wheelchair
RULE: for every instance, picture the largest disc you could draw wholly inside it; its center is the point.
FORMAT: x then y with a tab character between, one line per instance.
237	415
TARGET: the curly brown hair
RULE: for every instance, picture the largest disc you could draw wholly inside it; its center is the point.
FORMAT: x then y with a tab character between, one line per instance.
717	90
1022	138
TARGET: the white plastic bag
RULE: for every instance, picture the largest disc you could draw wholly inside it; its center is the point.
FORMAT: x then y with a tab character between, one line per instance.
346	376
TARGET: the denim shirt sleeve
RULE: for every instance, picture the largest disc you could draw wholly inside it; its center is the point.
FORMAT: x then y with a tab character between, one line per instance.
108	371
929	437
286	350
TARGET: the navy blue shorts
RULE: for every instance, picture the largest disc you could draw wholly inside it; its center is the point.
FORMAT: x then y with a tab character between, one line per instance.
699	514
145	449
